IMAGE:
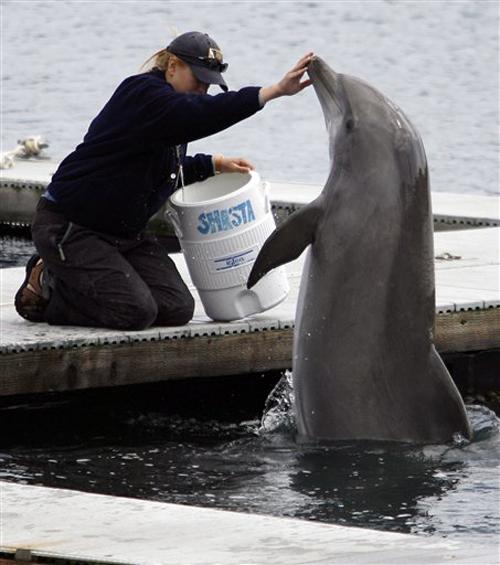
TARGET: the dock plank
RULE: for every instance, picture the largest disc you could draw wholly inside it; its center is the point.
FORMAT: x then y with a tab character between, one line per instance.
91	527
469	329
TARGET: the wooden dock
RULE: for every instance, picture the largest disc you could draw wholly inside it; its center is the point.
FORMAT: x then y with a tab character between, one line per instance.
36	358
22	186
63	526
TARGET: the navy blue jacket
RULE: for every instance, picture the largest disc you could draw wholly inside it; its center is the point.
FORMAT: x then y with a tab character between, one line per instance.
120	175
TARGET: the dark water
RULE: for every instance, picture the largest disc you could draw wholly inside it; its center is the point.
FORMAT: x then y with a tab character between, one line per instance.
15	251
146	443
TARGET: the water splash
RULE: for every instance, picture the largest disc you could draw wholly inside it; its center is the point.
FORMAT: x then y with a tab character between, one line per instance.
279	415
279	408
484	421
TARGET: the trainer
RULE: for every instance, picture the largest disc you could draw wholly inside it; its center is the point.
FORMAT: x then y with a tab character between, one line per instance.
95	265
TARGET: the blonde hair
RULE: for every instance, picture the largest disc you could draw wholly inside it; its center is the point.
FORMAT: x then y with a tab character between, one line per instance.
159	61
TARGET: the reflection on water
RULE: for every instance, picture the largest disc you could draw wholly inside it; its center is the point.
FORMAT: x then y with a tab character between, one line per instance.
135	450
15	251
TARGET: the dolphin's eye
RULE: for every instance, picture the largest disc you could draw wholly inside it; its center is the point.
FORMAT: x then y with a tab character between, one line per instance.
349	125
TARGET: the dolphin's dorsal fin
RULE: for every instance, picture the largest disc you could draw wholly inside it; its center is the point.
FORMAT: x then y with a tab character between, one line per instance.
287	241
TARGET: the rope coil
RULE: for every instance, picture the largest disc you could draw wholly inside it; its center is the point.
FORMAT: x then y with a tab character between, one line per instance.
30	147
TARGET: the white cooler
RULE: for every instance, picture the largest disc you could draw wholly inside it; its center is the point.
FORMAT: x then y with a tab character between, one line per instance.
222	224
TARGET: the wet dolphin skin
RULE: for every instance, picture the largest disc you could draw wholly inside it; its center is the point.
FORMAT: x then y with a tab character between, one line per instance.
364	361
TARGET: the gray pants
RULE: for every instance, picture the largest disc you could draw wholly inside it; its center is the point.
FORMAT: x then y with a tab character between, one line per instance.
102	280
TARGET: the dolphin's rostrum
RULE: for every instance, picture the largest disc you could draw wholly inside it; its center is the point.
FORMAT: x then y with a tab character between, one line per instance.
364	362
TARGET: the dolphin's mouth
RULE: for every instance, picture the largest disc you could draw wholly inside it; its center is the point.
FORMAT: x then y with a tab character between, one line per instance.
329	89
331	94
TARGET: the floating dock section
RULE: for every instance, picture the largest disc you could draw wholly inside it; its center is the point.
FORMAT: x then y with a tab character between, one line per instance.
68	526
36	358
22	186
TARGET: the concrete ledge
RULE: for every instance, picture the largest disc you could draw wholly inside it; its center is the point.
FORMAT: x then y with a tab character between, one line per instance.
48	522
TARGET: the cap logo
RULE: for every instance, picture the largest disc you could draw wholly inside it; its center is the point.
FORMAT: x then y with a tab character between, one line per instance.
215	54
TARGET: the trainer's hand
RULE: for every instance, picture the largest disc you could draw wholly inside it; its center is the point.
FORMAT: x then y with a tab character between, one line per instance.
232	164
290	84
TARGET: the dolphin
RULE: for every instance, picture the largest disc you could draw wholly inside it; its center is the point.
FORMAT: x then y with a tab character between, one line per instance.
364	362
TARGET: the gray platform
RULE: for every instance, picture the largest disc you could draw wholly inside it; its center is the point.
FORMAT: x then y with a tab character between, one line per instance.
38	357
86	527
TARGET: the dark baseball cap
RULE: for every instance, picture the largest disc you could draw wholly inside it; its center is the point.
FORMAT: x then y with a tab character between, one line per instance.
202	54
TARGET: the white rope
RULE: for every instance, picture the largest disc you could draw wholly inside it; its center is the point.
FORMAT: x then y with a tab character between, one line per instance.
30	147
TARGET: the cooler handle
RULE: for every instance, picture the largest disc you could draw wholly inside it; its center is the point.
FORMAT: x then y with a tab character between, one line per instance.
172	214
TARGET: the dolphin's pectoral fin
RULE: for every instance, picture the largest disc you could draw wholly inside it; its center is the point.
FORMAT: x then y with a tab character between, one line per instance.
287	241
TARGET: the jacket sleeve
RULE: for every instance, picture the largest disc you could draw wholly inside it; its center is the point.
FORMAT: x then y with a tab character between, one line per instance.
197	168
177	118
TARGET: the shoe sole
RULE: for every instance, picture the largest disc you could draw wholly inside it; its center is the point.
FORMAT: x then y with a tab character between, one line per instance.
25	286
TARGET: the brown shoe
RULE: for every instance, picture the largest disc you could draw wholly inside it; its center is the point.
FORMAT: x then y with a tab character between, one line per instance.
30	301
